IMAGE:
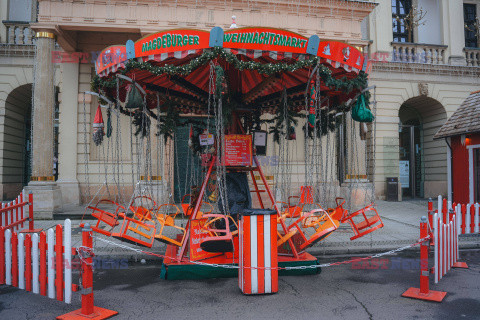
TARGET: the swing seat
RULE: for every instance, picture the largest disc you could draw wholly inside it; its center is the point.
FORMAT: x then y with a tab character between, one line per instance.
367	220
294	211
283	237
105	217
142	215
339	213
139	211
187	207
219	238
320	221
168	220
136	231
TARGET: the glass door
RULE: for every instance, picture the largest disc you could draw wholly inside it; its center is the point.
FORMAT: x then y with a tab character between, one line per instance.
410	161
405	163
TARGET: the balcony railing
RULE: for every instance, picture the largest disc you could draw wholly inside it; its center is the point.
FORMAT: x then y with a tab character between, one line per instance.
472	55
418	53
19	33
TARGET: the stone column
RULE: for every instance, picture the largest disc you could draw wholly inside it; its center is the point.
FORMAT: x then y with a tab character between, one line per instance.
67	146
46	193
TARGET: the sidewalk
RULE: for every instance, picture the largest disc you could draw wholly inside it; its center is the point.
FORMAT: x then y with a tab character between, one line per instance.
401	227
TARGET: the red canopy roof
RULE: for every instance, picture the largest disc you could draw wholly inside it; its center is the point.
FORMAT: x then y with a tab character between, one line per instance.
249	87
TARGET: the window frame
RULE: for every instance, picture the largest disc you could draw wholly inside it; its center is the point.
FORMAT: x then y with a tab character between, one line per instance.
398	35
473	38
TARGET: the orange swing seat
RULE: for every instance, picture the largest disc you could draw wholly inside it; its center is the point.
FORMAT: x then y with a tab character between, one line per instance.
283	209
295	210
168	220
320	221
141	214
105	218
187	207
366	221
140	227
339	213
219	239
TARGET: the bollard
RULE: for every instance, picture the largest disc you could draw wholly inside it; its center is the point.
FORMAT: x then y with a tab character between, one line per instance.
258	273
424	293
88	310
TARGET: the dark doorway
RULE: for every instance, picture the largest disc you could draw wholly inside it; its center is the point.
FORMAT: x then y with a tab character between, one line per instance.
410	165
187	166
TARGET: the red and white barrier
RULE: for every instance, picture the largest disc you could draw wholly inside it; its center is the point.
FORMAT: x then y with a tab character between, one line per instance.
424	292
14	214
258	273
467	215
443	232
25	261
42	263
468	218
445	245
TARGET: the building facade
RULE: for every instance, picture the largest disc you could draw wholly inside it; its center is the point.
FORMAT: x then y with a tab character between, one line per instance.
422	74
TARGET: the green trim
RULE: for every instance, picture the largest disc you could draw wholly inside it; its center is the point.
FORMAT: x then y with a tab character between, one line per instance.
197	272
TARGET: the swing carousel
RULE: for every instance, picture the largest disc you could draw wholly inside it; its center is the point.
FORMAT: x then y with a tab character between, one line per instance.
234	91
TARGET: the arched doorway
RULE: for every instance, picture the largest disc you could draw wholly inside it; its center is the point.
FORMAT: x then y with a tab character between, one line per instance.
16	143
423	166
15	147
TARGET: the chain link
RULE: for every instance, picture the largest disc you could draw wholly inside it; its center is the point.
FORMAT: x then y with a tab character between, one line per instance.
232	266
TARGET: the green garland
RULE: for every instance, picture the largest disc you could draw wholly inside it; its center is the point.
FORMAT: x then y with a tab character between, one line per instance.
167	124
342	84
283	122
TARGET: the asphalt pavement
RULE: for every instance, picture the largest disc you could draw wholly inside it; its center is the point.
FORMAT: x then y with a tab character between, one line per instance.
356	291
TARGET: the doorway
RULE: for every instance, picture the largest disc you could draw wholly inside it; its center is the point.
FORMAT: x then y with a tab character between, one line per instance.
410	161
187	165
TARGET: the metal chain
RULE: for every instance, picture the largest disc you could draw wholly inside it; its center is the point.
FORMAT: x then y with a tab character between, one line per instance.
227	266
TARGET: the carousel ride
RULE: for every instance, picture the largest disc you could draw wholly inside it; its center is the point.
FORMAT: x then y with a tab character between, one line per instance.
227	87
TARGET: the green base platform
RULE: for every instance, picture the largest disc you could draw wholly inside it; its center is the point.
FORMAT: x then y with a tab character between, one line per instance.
187	271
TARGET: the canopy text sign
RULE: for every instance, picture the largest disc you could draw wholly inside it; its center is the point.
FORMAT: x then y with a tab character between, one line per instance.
171	41
265	39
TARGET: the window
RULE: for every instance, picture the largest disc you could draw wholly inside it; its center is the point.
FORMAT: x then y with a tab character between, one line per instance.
470	16
476	174
20	10
400	8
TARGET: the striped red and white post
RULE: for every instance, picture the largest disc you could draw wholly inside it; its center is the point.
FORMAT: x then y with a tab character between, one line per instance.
424	292
258	273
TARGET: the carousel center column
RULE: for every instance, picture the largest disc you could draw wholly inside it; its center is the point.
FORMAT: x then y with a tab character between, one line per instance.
46	194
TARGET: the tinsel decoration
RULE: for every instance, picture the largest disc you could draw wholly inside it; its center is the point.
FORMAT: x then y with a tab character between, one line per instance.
311	111
98	127
98	136
109	123
142	122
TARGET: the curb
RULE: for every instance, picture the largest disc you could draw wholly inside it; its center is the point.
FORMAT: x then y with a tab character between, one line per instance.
318	252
